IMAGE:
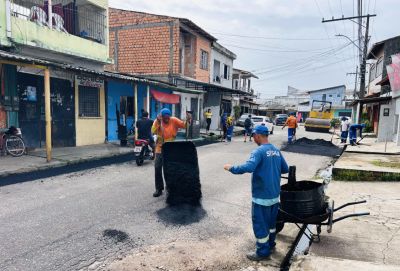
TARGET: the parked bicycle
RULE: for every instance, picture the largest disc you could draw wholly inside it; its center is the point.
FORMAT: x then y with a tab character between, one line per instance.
11	142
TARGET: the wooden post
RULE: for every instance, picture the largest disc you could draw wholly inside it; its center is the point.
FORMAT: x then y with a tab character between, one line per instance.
47	113
136	108
148	99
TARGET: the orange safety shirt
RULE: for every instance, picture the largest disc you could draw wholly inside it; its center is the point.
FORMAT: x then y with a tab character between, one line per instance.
166	132
291	122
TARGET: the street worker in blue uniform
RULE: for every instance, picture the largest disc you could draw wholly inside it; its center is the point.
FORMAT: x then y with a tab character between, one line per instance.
353	132
223	123
267	165
292	125
344	128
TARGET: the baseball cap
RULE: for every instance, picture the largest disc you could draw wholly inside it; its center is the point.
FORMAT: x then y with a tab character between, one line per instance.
166	112
261	130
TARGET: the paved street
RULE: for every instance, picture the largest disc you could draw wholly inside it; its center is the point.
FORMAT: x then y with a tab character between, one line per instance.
91	218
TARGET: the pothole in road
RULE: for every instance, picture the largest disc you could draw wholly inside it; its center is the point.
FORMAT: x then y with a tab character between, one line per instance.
115	235
181	215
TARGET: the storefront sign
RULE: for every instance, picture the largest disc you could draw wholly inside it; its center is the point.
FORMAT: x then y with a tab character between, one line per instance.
386	112
89	81
304	108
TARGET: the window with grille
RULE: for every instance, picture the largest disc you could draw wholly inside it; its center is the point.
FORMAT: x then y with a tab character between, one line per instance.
89	102
204	60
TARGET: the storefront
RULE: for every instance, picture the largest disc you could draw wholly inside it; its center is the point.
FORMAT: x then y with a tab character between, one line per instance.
90	113
9	101
121	106
163	98
31	109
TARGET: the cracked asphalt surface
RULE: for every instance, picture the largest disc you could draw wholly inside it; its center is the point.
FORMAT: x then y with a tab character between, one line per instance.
89	219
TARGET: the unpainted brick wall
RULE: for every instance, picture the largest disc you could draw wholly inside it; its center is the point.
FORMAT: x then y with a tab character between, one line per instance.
205	45
142	50
146	50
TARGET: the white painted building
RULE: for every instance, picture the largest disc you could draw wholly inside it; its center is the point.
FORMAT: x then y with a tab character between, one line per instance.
221	70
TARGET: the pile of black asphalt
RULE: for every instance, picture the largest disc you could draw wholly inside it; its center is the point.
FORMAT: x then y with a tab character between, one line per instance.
181	173
313	147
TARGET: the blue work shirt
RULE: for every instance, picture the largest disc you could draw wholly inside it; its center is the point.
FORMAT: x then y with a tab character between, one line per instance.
267	165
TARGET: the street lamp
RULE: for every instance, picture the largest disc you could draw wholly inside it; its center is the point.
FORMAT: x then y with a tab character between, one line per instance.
352	41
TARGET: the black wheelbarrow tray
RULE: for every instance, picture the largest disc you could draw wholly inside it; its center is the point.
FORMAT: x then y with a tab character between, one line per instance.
323	219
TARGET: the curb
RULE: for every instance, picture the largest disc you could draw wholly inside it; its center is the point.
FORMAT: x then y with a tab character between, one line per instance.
63	168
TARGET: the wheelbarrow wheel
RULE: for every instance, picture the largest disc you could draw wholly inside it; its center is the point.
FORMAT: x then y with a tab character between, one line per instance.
279	226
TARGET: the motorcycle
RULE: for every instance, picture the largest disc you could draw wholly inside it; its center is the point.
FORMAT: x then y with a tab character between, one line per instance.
142	151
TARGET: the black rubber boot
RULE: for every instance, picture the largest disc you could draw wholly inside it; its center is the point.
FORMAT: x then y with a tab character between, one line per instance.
157	193
253	256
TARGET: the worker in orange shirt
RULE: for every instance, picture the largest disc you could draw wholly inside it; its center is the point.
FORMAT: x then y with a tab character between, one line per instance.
291	123
165	128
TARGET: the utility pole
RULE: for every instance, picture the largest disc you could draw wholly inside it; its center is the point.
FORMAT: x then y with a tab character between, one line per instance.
363	48
360	37
356	81
363	67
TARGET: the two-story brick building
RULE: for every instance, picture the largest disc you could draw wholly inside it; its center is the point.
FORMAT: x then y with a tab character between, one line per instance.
169	49
70	40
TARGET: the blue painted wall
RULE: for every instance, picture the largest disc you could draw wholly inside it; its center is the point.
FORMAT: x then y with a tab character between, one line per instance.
334	95
115	90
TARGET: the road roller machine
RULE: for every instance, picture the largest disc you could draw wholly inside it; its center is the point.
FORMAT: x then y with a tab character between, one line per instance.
320	117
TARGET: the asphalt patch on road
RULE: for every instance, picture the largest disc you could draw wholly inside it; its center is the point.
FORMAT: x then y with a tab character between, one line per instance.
181	215
313	147
115	236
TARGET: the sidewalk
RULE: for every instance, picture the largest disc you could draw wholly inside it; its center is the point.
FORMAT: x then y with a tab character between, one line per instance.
364	243
370	145
237	131
36	160
369	162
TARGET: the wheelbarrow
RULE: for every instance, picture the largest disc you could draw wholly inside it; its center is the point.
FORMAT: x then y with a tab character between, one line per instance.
305	203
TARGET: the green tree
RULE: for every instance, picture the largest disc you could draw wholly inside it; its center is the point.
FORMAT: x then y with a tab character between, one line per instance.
236	110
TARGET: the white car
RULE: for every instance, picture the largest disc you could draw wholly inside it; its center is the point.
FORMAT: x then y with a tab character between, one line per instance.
260	120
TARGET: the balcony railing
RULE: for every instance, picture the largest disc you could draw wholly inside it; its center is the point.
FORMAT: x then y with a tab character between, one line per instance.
86	21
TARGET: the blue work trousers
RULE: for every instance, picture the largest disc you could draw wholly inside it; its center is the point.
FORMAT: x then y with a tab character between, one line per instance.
353	136
264	223
344	136
229	133
291	132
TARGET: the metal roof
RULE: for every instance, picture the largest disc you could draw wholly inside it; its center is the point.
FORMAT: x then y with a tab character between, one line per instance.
329	88
64	66
377	46
371	100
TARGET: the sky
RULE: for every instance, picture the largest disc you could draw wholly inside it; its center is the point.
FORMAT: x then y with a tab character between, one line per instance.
283	41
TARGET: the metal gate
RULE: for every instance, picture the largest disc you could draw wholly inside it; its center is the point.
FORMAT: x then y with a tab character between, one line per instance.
32	114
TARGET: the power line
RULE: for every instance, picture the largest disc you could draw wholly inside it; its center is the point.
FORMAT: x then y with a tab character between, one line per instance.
301	61
266	38
306	69
364	50
272	51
